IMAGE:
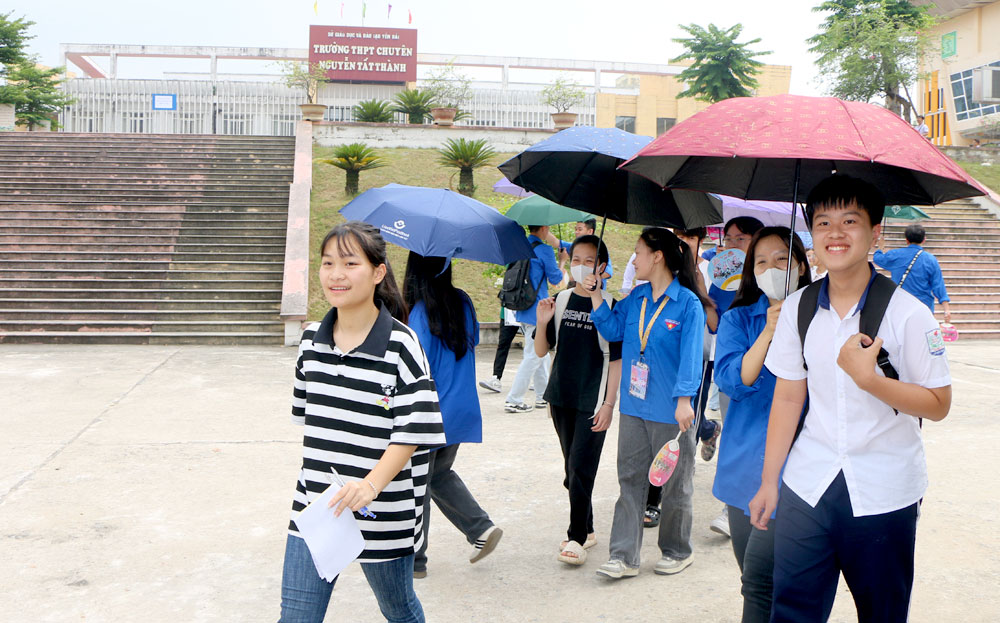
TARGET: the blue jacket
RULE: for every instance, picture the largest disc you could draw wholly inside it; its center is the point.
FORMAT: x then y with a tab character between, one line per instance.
741	449
543	264
455	380
673	353
925	280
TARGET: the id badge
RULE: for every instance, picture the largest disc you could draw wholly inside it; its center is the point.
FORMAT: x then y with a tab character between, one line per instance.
638	380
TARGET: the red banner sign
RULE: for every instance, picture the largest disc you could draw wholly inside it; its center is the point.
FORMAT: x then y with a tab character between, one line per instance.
364	54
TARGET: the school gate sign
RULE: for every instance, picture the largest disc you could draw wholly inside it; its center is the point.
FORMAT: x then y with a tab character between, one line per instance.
353	54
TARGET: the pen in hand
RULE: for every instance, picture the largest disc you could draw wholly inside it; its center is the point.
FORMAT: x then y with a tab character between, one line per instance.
364	512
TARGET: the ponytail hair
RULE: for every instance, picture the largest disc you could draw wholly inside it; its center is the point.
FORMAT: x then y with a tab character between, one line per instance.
428	279
368	239
678	258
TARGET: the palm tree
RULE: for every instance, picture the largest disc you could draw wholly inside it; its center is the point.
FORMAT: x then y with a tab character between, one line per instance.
720	68
373	111
354	159
465	156
415	104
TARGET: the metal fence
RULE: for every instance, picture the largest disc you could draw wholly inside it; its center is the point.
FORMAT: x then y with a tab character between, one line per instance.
267	108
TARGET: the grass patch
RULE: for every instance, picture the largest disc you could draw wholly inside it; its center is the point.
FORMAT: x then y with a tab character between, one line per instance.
419	167
986	174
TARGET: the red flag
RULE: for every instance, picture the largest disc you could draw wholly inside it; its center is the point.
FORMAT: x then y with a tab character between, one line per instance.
411	16
389	12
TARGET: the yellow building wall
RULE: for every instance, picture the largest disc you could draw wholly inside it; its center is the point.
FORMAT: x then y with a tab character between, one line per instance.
978	45
658	98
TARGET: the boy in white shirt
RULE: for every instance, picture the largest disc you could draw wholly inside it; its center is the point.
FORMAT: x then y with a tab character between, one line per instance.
854	478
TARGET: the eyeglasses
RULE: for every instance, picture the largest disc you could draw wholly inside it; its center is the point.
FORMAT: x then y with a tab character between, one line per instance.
730	241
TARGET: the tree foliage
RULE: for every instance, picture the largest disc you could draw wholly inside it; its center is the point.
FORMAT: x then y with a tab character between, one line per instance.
13	37
721	68
35	93
415	104
303	75
353	159
563	94
373	111
466	155
872	49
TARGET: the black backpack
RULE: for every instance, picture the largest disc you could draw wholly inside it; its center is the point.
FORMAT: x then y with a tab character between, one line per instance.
518	293
872	313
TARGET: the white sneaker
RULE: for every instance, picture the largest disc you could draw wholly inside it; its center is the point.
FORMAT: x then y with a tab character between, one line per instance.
493	384
486	543
517	407
720	524
669	565
617	569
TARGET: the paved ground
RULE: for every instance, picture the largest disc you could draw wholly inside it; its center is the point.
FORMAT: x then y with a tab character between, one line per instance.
153	484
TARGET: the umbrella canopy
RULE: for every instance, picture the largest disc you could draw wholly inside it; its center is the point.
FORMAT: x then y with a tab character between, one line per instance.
770	213
579	168
537	210
441	223
905	213
752	148
506	187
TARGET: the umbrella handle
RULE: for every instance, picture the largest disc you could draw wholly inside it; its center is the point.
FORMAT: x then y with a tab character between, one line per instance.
600	241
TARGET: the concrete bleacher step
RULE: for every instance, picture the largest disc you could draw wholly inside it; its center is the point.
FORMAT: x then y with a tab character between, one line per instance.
120	238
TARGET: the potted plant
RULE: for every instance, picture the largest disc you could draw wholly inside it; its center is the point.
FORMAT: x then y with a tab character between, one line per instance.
451	90
562	95
415	104
466	156
306	76
353	159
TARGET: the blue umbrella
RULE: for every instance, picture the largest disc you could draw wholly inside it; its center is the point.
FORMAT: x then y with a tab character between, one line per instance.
578	168
440	223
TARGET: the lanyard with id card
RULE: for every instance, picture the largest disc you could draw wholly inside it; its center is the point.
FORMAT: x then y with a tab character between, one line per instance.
639	376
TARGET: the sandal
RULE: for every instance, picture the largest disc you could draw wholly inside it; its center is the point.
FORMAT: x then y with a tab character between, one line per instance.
651	518
590	542
573	554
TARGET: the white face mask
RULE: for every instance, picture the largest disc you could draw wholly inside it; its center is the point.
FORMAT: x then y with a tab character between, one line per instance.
579	271
772	282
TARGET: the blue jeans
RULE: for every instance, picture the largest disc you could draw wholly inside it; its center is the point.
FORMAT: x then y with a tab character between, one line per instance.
532	367
305	596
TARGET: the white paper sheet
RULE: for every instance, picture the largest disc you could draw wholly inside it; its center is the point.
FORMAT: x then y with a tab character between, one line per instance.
334	542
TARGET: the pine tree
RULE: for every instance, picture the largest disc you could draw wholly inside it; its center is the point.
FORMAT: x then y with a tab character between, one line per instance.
721	68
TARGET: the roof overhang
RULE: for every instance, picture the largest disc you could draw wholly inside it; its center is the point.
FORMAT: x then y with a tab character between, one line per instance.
951	8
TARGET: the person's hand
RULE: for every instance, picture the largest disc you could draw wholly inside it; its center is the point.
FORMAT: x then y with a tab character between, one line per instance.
881	242
684	414
354	495
590	283
602	419
772	318
545	310
762	505
563	256
947	313
858	358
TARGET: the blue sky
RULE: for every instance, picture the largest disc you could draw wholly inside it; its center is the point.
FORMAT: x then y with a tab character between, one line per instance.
627	30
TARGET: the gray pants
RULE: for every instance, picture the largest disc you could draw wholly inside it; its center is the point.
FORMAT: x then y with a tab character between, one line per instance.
453	498
638	442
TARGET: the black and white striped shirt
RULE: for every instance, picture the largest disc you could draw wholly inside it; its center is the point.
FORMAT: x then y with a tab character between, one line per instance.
353	406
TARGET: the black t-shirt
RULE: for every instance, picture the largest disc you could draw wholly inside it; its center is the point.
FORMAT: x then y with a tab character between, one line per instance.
574	382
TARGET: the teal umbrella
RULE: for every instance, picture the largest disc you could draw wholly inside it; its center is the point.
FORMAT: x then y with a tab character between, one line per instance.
905	213
537	210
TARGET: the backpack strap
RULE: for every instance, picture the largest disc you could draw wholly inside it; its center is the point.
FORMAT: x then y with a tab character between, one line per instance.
879	294
535	245
910	267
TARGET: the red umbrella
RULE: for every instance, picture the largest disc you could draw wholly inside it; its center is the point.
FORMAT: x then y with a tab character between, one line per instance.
777	148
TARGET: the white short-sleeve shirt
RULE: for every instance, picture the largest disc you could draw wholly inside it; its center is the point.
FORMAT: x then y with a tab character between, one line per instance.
847	429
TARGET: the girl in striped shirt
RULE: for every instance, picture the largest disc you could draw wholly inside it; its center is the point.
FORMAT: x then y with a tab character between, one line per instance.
364	394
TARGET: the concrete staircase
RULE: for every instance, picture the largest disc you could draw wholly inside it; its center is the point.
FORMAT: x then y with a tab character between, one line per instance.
152	239
965	238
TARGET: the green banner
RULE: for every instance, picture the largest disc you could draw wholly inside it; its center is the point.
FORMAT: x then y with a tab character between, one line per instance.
949	44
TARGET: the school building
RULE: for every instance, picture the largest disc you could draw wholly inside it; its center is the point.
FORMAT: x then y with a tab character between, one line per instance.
961	92
506	91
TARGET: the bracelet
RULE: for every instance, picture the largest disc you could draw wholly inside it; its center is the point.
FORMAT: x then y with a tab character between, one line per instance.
610	404
374	490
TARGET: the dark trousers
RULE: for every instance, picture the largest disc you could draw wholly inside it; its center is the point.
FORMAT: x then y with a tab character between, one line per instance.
507	335
581	449
453	499
812	546
706	427
754	550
